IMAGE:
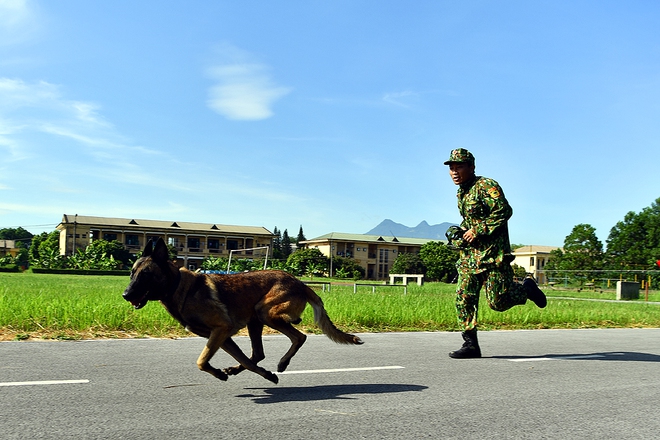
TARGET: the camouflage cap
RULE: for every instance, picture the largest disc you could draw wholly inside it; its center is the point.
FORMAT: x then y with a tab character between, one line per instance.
460	155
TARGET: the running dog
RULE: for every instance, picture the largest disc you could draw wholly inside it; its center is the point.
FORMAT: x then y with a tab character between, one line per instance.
217	306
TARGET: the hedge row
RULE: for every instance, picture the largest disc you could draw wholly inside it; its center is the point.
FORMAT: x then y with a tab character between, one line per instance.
9	269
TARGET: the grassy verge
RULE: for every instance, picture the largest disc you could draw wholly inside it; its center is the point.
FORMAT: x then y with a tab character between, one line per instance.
37	306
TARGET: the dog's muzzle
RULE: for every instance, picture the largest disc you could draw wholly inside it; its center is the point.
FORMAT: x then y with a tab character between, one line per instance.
137	299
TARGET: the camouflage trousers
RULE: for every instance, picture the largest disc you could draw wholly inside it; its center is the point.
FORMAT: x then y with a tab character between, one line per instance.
502	293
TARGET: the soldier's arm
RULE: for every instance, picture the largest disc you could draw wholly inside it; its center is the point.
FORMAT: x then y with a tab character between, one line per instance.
500	211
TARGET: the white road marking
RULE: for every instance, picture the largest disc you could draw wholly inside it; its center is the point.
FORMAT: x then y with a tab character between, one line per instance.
42	382
341	370
554	358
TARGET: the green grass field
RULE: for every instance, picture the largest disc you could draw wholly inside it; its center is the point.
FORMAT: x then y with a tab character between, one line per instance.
34	306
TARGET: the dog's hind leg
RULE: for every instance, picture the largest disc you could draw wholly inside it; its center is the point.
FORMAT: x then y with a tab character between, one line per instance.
255	328
296	337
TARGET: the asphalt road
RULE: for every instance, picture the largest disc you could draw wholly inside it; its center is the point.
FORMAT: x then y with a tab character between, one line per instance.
539	384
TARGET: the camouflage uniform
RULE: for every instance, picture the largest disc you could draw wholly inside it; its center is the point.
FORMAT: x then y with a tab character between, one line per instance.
487	260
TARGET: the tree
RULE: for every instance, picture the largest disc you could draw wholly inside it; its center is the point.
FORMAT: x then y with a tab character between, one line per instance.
112	248
344	267
634	243
15	234
45	251
582	254
582	249
519	271
307	262
277	244
286	245
300	237
440	261
100	255
408	263
215	263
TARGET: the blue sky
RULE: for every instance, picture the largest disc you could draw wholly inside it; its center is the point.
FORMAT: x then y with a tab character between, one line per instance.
333	115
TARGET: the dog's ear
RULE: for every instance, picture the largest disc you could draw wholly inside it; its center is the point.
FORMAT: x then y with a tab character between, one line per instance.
148	248
160	253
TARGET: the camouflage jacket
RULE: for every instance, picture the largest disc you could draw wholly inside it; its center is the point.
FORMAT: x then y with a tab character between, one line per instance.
486	211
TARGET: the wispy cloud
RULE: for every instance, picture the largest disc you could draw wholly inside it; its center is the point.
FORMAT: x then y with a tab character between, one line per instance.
18	21
400	98
37	121
39	107
407	98
68	142
244	90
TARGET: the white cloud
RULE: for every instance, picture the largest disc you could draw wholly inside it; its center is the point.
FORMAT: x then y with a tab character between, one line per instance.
17	93
38	123
244	90
17	21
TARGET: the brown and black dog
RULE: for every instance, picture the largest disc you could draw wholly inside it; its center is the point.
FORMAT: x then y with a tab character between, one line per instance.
217	306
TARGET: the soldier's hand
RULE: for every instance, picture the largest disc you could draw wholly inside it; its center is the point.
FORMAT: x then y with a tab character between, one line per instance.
469	236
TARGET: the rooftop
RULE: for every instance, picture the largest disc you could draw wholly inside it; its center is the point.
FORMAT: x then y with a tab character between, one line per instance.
87	220
340	236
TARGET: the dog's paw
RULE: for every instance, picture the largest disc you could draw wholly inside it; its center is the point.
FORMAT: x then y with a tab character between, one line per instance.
219	374
233	371
272	377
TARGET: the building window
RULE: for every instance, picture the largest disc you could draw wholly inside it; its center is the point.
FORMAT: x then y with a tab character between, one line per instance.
193	243
109	237
132	240
383	263
214	246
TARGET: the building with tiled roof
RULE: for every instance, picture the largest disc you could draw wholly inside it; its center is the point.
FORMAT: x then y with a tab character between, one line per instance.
375	253
533	259
193	241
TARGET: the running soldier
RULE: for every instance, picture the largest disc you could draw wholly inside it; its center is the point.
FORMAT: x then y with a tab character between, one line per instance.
485	251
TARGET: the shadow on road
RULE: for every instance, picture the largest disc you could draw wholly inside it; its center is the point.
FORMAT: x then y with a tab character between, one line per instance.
606	356
325	392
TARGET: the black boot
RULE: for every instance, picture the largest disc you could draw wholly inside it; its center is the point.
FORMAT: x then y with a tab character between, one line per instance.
470	348
534	294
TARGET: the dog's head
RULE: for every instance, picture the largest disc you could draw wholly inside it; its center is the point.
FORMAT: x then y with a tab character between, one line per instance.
152	276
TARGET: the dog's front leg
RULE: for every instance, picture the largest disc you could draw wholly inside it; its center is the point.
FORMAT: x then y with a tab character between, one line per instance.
255	328
216	339
234	350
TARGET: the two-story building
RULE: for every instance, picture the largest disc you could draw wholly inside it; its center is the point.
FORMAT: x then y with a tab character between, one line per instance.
193	241
533	259
375	253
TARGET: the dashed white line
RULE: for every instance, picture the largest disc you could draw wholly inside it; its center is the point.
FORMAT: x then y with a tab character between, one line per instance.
342	370
42	382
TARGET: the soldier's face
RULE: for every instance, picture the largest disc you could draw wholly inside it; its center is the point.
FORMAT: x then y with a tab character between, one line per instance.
461	172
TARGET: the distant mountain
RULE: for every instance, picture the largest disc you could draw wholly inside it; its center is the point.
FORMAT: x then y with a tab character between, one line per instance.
422	230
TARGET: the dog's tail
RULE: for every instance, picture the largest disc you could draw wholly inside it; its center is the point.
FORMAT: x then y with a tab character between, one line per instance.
324	323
